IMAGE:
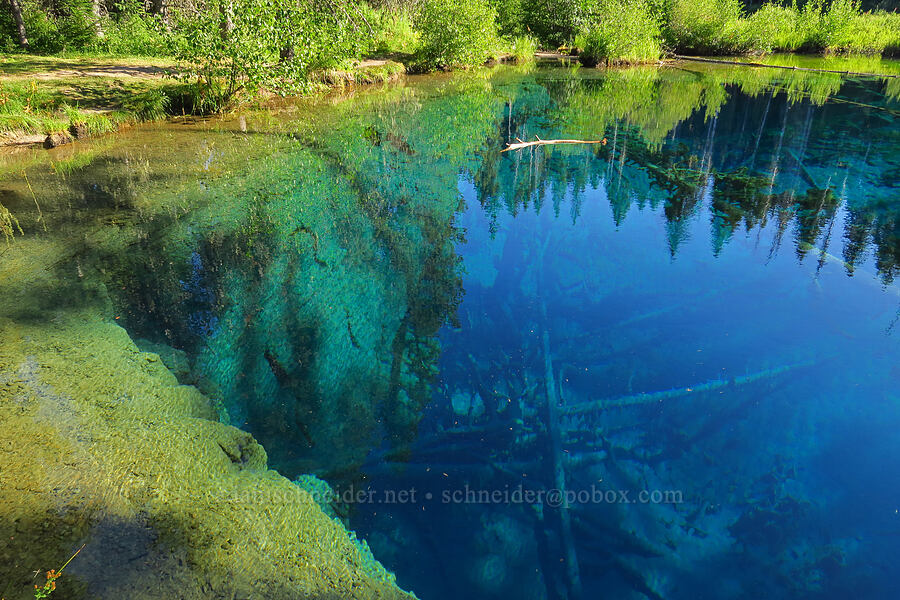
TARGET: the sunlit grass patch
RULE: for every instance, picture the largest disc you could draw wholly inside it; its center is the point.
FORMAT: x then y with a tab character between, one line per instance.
623	32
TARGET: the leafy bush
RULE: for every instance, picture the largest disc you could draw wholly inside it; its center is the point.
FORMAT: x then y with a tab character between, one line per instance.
395	32
247	45
707	27
840	27
775	27
556	22
622	31
510	17
456	33
837	23
133	32
889	26
71	26
43	32
523	48
76	24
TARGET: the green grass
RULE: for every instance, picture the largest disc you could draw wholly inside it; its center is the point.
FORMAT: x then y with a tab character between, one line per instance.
9	225
44	95
396	33
522	48
623	32
720	27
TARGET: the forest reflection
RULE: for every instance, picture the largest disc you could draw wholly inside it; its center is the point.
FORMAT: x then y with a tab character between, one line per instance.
752	146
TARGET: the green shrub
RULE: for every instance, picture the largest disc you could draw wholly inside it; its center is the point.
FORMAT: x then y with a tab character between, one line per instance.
456	33
523	48
840	27
837	24
135	33
621	31
70	26
556	22
395	32
244	46
511	17
43	33
76	24
775	27
707	27
889	24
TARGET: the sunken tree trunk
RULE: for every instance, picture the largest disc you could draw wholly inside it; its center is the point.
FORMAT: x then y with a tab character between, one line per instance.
20	22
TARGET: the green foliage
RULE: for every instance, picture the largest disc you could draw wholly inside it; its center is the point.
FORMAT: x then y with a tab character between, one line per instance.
43	31
23	107
838	27
456	33
148	106
556	22
9	225
395	32
841	27
775	27
523	48
244	46
133	32
621	31
62	26
511	17
707	27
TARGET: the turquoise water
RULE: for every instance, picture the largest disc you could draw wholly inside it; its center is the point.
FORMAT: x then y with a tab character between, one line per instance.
662	366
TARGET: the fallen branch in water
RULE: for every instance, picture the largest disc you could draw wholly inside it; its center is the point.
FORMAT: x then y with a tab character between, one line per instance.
737	63
655	397
519	144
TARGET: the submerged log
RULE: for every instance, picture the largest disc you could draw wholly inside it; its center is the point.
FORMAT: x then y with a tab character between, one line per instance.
786	67
573	576
655	397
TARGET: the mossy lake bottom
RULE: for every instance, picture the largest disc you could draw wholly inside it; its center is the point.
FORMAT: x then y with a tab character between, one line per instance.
662	365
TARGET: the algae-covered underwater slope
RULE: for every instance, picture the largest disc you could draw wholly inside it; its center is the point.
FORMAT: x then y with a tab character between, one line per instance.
215	332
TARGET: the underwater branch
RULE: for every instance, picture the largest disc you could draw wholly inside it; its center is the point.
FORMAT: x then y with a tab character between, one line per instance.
653	397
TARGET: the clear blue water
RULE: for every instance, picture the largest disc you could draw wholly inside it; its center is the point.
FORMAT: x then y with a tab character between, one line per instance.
768	320
688	336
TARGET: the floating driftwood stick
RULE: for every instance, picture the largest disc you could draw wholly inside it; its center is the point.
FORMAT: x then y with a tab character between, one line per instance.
654	397
519	144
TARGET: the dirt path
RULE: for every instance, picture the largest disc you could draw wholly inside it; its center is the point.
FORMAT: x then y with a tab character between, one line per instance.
49	67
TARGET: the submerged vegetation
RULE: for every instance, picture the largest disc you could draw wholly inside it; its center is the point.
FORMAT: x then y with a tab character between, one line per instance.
9	225
303	274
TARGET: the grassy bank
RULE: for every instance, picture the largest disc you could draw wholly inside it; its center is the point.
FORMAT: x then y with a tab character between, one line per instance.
204	58
80	95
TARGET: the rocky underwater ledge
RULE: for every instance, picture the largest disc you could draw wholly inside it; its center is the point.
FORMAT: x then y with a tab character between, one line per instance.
100	445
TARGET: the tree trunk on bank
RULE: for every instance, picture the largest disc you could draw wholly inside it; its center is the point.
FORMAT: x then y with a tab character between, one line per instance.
159	8
226	24
20	22
98	17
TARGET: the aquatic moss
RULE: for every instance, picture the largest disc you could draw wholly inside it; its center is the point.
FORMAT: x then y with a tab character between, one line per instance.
100	444
9	225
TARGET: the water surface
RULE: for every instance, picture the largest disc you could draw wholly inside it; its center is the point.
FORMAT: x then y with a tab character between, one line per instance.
690	330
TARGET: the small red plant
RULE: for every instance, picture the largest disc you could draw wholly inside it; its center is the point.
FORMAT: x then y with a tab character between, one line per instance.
44	591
